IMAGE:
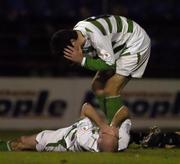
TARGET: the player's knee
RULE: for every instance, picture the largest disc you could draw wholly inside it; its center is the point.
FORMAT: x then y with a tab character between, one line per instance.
108	91
97	86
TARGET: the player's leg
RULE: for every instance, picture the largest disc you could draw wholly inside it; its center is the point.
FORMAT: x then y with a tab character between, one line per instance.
115	84
19	144
112	90
120	116
98	84
127	66
24	143
107	87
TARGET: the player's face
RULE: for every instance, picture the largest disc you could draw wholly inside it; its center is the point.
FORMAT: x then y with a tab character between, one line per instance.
107	142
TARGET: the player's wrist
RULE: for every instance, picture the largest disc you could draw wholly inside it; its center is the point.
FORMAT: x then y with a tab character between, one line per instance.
103	125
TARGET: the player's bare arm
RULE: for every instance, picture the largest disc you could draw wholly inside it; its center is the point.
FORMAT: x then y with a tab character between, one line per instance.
90	112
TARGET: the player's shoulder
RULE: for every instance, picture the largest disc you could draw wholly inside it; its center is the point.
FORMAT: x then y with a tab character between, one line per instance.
85	120
83	26
82	23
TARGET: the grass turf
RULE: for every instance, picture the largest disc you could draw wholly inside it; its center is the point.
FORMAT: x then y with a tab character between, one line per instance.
134	155
131	156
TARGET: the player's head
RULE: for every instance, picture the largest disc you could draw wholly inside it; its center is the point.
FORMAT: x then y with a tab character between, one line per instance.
108	141
62	39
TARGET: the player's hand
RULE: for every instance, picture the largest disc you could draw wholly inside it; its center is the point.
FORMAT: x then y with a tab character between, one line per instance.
109	130
73	53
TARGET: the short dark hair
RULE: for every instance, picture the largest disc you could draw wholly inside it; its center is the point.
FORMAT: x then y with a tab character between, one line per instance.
62	39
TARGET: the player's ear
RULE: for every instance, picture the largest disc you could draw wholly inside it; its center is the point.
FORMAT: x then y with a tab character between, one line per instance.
73	41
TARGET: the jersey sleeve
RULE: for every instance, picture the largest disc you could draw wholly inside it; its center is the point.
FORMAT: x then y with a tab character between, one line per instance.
96	64
103	46
101	43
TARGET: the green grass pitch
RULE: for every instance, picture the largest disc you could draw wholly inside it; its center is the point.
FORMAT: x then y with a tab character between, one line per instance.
134	155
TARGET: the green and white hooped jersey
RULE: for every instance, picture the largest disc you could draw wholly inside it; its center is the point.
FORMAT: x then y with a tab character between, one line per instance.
112	36
87	136
81	136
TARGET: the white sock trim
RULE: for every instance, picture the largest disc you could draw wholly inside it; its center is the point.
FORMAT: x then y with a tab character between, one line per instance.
8	146
109	97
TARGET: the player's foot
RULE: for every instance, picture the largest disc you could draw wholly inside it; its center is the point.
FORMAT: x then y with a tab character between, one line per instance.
155	130
149	139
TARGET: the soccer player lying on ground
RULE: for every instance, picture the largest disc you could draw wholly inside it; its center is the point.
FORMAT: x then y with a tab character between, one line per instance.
112	45
83	135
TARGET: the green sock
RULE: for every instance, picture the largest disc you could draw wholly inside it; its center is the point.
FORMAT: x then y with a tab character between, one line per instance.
4	146
101	102
113	104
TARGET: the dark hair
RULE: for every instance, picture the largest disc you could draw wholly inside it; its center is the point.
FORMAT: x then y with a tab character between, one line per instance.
62	39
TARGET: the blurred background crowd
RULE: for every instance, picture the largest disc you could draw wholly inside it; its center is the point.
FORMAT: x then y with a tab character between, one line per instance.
26	27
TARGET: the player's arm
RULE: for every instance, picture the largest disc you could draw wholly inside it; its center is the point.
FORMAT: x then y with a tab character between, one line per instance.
76	55
88	111
106	59
121	115
96	64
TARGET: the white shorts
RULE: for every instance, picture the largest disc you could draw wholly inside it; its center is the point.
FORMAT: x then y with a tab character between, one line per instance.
133	61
